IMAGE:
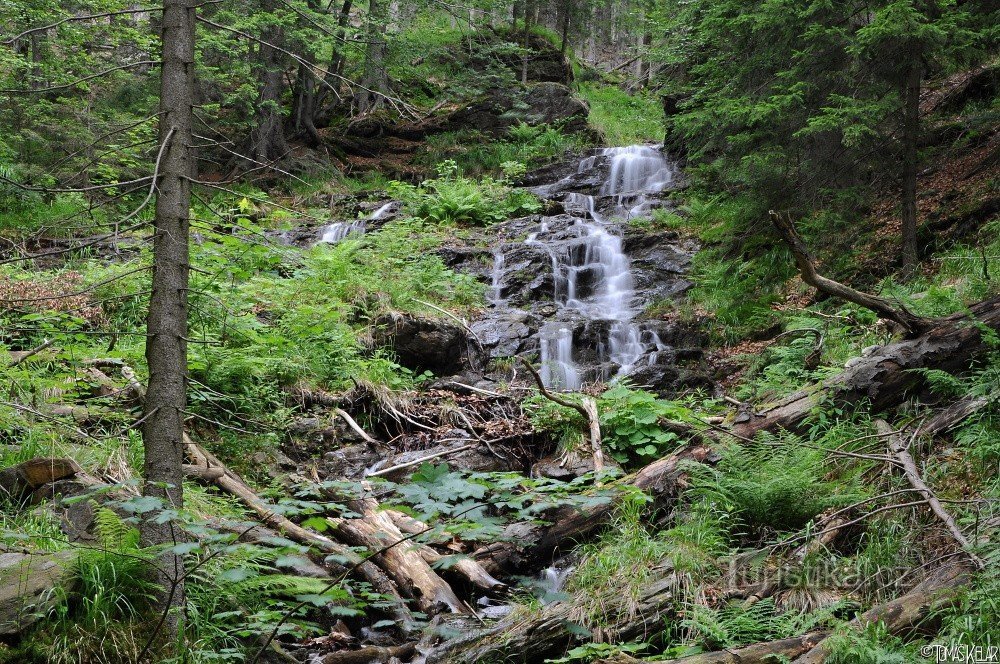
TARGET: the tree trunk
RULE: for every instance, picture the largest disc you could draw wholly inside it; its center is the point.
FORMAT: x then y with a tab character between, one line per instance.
910	137
375	84
886	377
567	9
166	324
267	140
555	628
305	106
337	57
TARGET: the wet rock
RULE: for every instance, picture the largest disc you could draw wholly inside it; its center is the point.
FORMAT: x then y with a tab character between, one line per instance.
568	465
426	344
349	461
507	333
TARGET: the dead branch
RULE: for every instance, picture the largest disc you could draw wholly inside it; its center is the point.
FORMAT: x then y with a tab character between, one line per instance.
207	467
414	576
936	592
355	426
587	408
899	446
417	462
883	307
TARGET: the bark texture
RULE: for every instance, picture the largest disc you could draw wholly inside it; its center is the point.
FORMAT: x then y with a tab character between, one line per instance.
557	627
166	323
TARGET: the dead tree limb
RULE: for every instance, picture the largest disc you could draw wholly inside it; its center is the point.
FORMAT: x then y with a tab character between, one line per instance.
587	408
757	653
952	416
883	307
373	530
886	377
548	633
207	467
900	447
937	591
461	566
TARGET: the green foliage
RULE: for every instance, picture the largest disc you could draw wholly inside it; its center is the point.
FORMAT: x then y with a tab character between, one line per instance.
589	652
477	505
875	645
452	199
477	155
734	624
623	118
771	486
632	428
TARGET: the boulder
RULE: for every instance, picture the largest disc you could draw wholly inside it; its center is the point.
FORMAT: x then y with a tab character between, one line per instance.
28	584
18	481
553	103
427	344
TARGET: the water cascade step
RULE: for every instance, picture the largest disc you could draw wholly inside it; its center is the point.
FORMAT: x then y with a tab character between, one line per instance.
341	230
592	278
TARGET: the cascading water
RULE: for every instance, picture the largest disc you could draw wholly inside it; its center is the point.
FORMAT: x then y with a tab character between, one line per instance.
592	275
341	230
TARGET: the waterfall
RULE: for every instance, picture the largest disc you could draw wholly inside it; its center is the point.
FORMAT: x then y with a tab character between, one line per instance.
341	230
592	275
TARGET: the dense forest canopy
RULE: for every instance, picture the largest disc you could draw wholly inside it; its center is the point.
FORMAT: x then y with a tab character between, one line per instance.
422	331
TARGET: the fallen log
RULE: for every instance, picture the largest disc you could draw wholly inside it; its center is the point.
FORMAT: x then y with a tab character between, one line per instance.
757	653
938	591
887	376
207	467
526	544
461	566
371	655
556	627
404	563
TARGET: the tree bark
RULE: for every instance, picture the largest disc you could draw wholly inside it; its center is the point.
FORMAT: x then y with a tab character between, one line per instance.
375	83
556	627
886	377
567	9
375	531
267	140
166	323
337	58
910	137
936	592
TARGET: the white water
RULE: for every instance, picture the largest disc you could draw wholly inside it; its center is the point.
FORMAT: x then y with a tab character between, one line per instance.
341	230
593	276
552	581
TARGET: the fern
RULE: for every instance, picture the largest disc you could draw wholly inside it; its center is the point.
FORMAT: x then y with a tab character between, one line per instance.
112	531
